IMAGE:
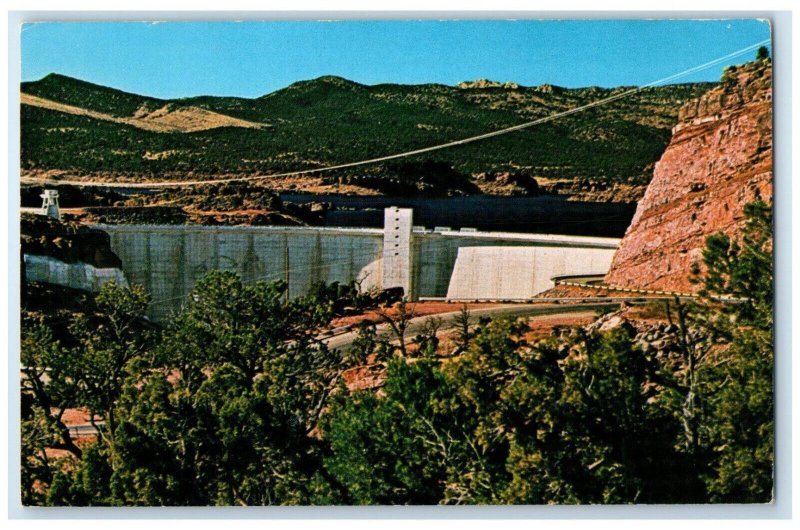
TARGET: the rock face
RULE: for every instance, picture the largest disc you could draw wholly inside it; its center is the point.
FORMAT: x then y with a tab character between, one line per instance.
719	159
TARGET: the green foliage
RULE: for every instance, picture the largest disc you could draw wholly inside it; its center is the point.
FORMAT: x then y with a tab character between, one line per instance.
574	418
723	391
237	386
427	340
743	269
105	349
38	432
762	53
741	427
365	344
582	428
488	365
462	323
375	455
110	346
90	374
247	326
86	484
225	443
407	448
743	430
508	422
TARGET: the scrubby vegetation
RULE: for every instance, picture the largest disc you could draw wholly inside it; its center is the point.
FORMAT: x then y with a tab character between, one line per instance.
331	120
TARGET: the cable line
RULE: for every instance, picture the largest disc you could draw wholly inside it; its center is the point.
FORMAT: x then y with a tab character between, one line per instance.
463	141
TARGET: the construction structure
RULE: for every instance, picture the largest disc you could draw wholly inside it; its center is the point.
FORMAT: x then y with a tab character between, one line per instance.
50	204
396	266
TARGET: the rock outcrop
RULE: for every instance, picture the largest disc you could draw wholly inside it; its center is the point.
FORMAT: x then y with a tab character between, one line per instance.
66	241
719	159
66	254
487	83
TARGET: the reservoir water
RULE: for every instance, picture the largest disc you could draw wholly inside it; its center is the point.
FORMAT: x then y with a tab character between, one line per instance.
542	214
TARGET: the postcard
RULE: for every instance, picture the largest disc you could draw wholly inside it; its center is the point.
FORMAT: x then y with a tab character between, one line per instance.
396	262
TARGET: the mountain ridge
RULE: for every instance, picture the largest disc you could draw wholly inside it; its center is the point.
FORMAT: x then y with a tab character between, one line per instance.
331	120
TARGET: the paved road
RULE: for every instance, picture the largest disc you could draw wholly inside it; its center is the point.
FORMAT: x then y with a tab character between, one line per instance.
345	340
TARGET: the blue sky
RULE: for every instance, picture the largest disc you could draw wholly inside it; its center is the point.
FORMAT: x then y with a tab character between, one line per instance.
250	59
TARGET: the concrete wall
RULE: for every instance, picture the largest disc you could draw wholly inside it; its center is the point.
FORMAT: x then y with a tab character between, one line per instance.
168	260
435	254
508	273
83	276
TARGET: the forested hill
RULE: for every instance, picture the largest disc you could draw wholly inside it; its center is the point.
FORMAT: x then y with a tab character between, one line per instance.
83	128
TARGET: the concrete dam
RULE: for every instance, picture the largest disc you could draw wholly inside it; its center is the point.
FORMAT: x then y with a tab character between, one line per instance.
439	263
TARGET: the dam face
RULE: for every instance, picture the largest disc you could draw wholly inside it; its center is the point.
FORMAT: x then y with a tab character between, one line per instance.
458	265
501	265
169	260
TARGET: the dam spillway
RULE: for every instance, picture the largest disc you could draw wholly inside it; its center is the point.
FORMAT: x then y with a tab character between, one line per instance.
442	263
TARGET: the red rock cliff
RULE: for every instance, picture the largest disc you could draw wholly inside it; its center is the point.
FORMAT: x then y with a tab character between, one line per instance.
719	159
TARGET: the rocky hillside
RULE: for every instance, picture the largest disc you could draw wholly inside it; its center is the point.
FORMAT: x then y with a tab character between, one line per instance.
719	159
77	129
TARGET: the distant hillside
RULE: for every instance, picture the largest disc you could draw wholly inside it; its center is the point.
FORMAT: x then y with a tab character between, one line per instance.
169	118
87	129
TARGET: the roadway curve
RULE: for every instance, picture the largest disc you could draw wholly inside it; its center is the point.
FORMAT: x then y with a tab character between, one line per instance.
345	340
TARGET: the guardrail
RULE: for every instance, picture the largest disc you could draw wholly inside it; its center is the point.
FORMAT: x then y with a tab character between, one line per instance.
720	298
